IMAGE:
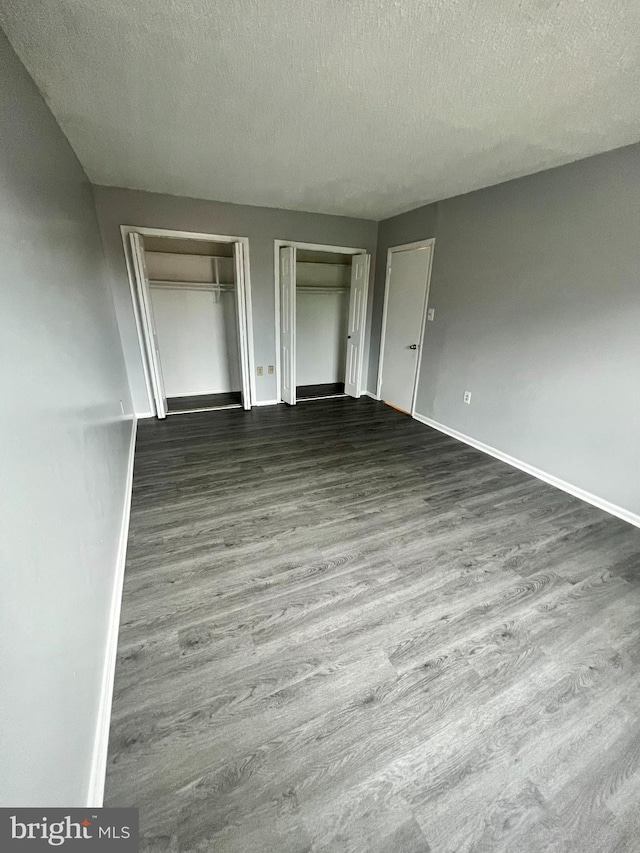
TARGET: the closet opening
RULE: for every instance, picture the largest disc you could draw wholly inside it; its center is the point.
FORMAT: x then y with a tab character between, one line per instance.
191	297
321	297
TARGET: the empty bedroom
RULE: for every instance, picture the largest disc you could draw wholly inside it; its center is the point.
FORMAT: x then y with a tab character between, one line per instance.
321	473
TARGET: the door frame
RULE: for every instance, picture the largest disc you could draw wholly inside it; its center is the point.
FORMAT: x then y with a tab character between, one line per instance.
405	247
243	305
317	247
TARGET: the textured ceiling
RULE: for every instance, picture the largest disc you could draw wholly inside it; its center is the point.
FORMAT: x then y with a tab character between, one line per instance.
358	107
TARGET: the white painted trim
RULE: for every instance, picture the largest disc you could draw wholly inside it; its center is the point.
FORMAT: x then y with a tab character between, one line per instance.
406	247
186	235
205	409
423	324
369	394
95	793
249	353
268	402
324	397
246	369
248	308
276	279
351	317
319	247
292	289
201	394
383	330
124	234
148	323
552	480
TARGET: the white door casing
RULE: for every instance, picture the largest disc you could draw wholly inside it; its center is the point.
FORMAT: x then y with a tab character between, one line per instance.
405	306
241	318
287	270
148	324
356	327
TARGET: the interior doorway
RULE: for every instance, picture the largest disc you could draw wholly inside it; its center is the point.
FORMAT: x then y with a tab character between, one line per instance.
403	323
191	294
321	300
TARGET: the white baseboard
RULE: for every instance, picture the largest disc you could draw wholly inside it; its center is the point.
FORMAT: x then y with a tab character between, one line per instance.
140	416
95	795
369	394
577	492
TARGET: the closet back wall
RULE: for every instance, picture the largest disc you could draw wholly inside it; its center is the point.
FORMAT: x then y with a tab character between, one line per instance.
198	343
261	225
197	329
321	332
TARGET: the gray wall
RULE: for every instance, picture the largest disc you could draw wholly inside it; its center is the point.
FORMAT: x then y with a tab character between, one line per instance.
64	447
261	225
536	287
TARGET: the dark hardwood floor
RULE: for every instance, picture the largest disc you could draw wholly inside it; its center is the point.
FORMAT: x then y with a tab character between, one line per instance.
203	401
326	389
344	631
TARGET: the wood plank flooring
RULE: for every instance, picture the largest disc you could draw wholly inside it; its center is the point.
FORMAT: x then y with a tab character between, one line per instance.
344	631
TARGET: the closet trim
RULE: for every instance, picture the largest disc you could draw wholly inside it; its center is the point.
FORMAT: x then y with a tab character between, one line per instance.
243	286
296	244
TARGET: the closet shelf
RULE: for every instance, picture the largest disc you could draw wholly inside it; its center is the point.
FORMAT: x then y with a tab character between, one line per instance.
190	255
323	288
196	285
322	264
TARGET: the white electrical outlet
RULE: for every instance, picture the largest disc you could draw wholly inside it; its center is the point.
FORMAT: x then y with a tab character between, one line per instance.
431	314
467	398
260	371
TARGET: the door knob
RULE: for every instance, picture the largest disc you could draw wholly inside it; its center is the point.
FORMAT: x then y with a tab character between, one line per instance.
413	346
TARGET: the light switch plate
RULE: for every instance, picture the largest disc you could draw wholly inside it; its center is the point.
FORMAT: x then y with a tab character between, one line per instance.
431	313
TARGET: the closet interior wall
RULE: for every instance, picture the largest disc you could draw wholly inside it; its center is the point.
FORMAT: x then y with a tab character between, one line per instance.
322	308
193	296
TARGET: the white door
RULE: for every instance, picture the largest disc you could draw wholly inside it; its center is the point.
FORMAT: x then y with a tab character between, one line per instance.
148	324
288	323
403	324
355	329
241	316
